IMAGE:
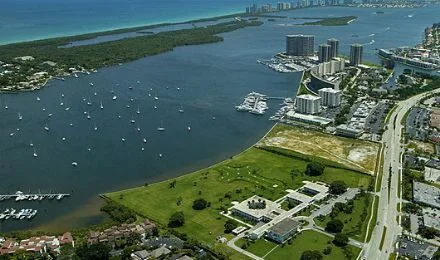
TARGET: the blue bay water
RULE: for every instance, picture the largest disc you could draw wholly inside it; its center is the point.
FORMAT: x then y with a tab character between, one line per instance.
212	79
22	20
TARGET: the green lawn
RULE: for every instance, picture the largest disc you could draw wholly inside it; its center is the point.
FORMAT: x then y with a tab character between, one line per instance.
255	171
374	219
311	240
356	223
259	248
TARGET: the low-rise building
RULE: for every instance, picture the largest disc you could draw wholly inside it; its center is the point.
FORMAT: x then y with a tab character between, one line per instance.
348	131
309	119
40	244
283	230
145	228
432	171
257	209
426	194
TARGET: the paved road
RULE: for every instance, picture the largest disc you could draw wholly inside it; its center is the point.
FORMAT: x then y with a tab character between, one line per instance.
388	215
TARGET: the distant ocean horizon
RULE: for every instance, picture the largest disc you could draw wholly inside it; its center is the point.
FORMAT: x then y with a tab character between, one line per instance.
27	20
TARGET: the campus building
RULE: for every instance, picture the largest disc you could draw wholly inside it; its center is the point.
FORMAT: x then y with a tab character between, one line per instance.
330	97
283	230
300	45
257	209
308	104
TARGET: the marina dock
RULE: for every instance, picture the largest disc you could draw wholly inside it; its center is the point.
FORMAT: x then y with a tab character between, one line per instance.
254	103
19	196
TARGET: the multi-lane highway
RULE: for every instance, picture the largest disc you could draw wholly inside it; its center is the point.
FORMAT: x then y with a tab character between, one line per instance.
388	215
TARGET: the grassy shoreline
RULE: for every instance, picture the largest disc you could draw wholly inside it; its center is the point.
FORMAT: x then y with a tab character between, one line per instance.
257	170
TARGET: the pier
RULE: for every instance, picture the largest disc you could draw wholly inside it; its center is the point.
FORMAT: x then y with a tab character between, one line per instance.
19	196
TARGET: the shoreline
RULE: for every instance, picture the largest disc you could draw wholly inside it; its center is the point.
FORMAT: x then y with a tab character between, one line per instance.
178	176
129	28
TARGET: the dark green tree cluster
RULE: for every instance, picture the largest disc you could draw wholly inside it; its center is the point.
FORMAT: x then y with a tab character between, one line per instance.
427	232
100	251
311	255
315	169
337	187
334	226
176	220
199	204
230	225
119	213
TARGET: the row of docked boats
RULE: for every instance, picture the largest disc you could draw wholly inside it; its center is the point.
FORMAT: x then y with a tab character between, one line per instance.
254	103
20	196
18	214
287	105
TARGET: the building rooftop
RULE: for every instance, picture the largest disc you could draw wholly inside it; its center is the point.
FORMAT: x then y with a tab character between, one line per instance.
331	90
309	118
426	194
309	97
299	35
319	188
284	226
299	197
433	163
271	209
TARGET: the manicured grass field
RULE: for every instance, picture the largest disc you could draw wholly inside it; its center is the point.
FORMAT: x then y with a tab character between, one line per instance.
255	171
312	240
356	223
259	248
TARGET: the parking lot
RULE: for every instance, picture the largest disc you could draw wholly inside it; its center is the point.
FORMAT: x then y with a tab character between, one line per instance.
417	123
414	248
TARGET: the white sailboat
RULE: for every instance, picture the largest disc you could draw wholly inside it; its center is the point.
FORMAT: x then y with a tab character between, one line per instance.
181	110
144	140
46	128
95	127
161	128
20	117
189	128
132	121
115	97
35	153
156	98
88	115
138	111
6	105
31	144
38	99
102	107
91	84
